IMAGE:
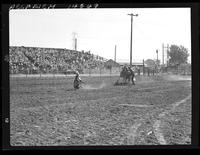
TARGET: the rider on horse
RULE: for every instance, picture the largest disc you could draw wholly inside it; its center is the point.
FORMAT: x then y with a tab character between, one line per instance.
128	74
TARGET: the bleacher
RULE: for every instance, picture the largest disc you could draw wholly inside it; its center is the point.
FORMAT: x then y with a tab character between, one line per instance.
34	60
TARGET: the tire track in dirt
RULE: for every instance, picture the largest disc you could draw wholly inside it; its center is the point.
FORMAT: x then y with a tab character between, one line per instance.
133	133
157	123
158	133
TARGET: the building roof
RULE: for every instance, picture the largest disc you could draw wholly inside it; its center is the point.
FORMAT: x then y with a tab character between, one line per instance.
133	63
111	63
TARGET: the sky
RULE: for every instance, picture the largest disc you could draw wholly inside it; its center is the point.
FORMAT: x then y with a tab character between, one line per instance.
99	30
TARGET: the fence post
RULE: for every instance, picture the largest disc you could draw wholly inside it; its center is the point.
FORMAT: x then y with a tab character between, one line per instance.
177	69
138	71
100	72
26	72
110	71
143	68
53	73
89	71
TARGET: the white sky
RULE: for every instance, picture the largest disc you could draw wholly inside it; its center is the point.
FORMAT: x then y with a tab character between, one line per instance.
99	30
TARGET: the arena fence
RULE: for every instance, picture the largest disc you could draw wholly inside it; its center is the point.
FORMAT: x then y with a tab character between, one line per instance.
97	72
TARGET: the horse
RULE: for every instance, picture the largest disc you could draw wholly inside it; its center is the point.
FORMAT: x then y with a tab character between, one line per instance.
127	74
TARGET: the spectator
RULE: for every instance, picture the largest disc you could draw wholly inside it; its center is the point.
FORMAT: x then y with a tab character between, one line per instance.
23	58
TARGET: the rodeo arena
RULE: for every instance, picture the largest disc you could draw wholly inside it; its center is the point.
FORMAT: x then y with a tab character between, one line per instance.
61	97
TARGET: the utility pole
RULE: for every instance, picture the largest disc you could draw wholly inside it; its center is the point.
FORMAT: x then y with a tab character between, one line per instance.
115	53
167	54
131	36
157	62
157	55
75	44
74	40
163	54
143	67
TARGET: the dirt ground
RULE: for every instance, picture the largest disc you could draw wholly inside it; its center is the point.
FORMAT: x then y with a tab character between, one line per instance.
47	111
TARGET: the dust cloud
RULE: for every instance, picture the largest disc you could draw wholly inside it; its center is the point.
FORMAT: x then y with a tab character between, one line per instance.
87	86
177	78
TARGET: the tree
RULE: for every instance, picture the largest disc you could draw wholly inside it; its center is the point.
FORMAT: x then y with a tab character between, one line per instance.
177	55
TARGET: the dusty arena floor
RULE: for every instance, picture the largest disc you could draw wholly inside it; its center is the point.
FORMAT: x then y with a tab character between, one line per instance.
47	111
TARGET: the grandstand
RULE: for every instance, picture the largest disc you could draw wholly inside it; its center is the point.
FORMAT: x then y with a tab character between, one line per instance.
34	60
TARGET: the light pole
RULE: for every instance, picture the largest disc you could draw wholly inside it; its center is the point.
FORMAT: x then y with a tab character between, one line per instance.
75	44
115	53
131	36
157	55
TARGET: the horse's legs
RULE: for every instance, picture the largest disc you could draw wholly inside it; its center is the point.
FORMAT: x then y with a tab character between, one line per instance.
124	80
129	79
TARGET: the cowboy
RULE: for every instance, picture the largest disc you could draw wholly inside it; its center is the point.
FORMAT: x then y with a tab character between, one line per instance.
77	80
132	75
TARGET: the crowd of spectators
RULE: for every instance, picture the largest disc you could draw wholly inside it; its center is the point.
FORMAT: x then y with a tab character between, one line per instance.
30	60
